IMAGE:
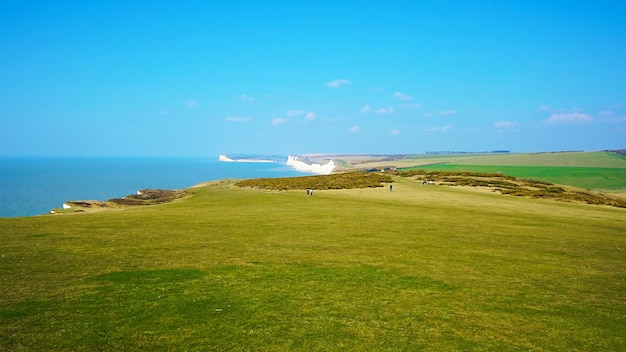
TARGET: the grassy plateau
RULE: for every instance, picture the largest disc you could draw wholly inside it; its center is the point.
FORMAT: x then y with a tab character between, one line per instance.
229	268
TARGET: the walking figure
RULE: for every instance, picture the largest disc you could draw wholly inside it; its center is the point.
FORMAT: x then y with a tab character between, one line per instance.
390	188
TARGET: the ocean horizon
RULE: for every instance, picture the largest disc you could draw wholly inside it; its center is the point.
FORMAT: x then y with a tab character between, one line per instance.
35	185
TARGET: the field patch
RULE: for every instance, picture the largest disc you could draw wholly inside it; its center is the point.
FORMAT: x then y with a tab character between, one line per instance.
594	178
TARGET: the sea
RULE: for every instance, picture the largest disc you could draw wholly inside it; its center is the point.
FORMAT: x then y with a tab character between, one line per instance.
35	185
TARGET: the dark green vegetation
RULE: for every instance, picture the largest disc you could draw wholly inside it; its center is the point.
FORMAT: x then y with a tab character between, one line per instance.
335	181
513	186
229	268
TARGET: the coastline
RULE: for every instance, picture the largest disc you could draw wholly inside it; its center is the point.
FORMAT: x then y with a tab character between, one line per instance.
293	161
224	158
34	185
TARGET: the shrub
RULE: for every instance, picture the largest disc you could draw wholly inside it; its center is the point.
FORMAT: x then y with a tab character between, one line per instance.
346	180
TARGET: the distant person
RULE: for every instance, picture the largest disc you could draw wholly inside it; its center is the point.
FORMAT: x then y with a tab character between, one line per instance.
390	188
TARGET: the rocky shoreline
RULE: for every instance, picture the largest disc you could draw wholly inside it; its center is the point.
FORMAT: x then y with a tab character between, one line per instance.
142	198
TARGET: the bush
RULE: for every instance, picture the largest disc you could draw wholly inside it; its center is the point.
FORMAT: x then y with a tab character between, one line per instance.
346	180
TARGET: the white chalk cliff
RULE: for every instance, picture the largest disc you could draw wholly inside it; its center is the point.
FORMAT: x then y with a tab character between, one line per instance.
324	169
225	158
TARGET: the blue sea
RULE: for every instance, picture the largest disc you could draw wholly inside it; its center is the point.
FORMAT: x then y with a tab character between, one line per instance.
32	186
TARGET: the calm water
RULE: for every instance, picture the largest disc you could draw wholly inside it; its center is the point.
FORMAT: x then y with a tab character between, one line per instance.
32	186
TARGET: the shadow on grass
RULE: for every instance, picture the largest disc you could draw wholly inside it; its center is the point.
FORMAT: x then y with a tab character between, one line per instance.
259	306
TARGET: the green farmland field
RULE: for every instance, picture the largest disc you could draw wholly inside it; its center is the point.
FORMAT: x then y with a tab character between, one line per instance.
597	178
592	170
428	268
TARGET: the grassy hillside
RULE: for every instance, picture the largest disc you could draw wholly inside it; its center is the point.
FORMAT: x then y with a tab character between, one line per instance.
420	268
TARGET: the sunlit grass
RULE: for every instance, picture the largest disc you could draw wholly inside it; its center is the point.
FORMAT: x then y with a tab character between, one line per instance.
419	268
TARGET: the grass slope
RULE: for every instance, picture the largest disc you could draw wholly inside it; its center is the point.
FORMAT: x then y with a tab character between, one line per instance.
419	268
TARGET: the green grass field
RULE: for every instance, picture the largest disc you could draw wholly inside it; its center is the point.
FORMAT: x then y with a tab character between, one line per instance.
232	269
591	170
596	178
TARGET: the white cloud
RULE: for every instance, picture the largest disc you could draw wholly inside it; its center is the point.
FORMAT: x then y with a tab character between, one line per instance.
447	112
278	121
387	111
366	109
506	124
295	112
310	116
440	113
574	117
337	83
614	120
440	129
606	113
402	96
246	98
238	119
544	108
190	104
354	129
395	132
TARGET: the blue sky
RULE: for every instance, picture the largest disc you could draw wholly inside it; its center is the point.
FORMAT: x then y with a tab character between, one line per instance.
199	78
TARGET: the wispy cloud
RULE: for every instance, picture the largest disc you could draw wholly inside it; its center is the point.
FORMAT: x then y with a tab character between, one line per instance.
606	113
190	104
402	96
565	118
506	124
544	108
238	119
366	109
244	97
295	112
354	129
337	83
435	129
310	116
395	132
279	121
385	111
619	120
440	113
